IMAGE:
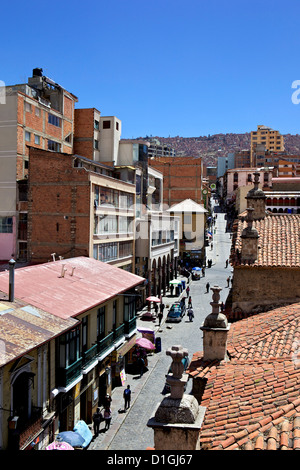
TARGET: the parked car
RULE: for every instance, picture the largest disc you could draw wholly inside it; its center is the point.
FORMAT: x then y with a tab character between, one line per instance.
186	363
175	313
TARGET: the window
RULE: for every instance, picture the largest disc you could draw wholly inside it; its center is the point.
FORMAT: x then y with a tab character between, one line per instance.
27	136
37	139
107	224
129	308
114	319
54	120
28	107
96	144
117	126
37	112
26	164
100	323
68	138
125	249
6	225
84	334
106	252
54	146
96	124
106	125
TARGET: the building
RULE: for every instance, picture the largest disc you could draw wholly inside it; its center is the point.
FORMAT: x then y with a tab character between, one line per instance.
78	208
192	231
265	138
39	113
265	256
158	149
90	357
27	368
251	395
156	233
239	177
183	178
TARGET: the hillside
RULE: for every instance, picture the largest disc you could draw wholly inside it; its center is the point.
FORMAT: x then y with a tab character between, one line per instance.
212	146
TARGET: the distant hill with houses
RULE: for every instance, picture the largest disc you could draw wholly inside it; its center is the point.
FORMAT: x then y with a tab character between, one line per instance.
211	146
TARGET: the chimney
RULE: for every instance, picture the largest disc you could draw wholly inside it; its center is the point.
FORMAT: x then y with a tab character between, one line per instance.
215	330
256	199
249	252
11	265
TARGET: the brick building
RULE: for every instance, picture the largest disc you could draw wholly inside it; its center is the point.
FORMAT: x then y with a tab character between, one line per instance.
39	113
77	208
182	178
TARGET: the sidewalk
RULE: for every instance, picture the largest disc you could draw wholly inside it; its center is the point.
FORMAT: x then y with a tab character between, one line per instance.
103	440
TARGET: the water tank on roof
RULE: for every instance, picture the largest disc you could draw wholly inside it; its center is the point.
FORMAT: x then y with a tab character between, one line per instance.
37	72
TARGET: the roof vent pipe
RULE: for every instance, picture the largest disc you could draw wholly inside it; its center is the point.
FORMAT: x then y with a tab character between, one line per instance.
11	265
73	269
53	256
63	270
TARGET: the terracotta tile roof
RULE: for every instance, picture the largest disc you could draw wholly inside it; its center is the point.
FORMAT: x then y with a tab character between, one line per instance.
279	240
253	399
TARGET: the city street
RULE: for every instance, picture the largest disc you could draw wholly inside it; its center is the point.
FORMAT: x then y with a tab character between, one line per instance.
131	432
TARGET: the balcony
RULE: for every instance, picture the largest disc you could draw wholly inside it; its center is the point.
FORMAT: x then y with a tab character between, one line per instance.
67	375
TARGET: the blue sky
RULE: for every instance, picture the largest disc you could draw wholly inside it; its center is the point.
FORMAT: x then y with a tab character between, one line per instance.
164	67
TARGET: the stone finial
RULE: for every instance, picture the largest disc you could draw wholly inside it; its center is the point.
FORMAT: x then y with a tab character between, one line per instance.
176	380
215	330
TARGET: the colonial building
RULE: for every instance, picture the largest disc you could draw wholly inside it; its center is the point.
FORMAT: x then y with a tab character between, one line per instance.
91	324
265	257
28	417
246	384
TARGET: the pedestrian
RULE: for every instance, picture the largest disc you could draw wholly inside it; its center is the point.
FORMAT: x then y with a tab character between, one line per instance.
190	302
203	272
160	316
142	364
187	290
226	263
207	287
97	418
107	418
228	280
107	401
190	314
127	397
222	307
172	288
211	246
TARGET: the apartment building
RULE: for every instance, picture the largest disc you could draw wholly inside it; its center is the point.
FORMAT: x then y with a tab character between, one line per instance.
266	137
79	208
159	149
40	114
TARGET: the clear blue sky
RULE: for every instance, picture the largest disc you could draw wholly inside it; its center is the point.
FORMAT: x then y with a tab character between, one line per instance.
164	67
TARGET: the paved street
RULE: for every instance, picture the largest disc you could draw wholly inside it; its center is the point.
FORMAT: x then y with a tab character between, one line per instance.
129	430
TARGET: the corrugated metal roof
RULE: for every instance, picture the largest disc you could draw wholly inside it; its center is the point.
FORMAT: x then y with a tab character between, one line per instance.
92	283
24	327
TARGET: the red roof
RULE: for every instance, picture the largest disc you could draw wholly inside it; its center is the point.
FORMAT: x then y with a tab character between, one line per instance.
92	283
252	400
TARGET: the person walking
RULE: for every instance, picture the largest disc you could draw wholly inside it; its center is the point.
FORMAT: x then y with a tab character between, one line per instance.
107	401
127	397
207	287
226	264
97	418
190	302
190	314
188	291
107	418
228	281
161	313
